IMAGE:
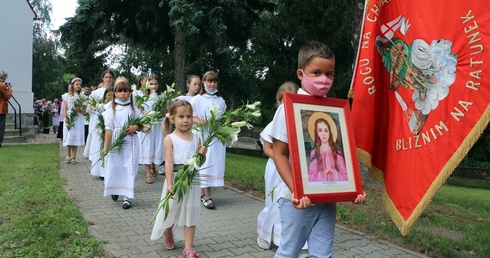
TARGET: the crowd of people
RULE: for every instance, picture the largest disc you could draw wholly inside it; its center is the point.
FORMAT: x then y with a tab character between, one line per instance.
289	223
94	117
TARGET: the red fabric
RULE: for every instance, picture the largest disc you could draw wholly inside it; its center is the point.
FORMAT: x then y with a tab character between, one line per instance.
5	95
415	164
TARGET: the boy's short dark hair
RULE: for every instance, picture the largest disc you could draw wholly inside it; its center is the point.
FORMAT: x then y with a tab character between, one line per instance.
311	50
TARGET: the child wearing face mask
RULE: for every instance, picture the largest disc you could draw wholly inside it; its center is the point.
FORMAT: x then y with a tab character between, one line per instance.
213	170
121	167
300	220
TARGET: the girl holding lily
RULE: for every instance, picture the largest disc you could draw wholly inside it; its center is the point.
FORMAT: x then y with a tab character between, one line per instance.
151	138
213	171
96	140
73	128
121	167
183	215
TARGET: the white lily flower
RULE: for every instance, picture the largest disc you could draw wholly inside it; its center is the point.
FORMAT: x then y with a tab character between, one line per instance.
170	88
150	113
239	124
256	113
253	106
133	87
234	138
214	110
192	162
152	96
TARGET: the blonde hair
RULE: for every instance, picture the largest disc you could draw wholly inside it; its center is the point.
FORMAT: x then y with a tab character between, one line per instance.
172	111
71	89
288	86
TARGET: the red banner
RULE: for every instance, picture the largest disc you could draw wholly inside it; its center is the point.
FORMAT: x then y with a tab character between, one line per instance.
421	95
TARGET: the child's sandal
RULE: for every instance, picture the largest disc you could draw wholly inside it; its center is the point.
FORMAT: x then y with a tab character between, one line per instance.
190	253
168	241
149	180
67	159
73	161
154	172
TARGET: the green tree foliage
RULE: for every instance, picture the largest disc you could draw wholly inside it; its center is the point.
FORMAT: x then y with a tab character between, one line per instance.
291	24
252	44
48	63
214	34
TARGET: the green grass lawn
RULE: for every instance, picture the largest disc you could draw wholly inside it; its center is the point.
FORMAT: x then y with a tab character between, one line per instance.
37	217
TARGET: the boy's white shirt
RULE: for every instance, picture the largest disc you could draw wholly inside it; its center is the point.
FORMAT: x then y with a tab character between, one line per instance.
279	132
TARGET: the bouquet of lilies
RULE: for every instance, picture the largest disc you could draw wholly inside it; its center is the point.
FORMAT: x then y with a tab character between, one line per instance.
94	104
140	100
79	102
163	101
150	118
225	127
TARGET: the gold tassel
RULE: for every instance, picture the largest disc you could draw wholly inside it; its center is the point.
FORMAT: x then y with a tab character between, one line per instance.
350	94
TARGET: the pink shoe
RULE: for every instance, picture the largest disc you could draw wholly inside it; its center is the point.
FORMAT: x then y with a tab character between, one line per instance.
189	253
168	241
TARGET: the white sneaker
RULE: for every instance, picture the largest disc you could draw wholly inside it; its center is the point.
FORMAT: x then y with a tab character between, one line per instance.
263	244
161	171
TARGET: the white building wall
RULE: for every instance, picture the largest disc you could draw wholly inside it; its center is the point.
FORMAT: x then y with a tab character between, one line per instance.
16	36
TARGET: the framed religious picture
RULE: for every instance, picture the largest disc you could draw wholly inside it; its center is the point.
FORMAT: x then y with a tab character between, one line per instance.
322	150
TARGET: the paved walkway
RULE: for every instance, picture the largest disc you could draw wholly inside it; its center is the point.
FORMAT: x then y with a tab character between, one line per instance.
227	231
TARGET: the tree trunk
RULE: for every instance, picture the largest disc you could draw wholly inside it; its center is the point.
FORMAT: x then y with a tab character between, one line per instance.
357	13
357	16
179	60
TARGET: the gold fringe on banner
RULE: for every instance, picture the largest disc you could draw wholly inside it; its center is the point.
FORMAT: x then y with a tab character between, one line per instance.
447	170
350	94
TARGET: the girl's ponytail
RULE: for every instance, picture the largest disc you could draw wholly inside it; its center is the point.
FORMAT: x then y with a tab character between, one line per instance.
166	125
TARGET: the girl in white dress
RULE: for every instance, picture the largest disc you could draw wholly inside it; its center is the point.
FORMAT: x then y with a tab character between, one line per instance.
75	136
269	219
213	172
151	138
183	215
96	140
121	167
